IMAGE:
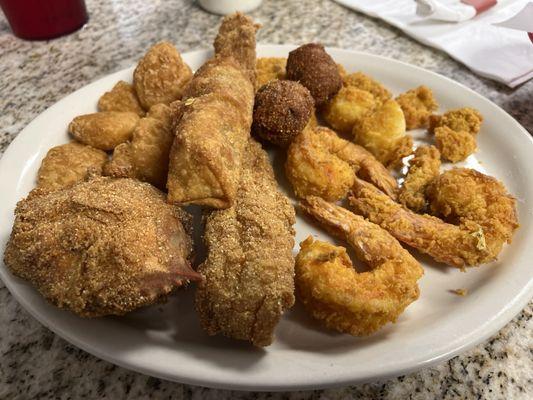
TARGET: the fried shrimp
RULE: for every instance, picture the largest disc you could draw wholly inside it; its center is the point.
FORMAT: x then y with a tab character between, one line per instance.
334	292
484	211
424	167
470	197
322	164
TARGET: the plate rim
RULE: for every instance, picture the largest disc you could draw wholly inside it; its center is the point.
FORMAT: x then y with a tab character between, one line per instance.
473	338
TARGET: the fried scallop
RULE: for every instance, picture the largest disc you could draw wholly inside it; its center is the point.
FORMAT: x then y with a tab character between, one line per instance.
121	98
102	247
382	132
348	107
161	75
453	145
104	130
68	164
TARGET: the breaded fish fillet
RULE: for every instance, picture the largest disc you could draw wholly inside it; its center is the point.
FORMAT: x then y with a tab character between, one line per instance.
249	271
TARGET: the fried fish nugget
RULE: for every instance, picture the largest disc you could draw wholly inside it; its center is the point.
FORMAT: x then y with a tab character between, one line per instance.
121	98
424	167
268	69
146	157
453	145
161	76
417	105
68	164
348	106
462	119
104	130
367	83
382	132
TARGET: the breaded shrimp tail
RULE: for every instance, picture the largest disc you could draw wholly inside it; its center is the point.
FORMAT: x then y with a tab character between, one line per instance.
249	270
205	158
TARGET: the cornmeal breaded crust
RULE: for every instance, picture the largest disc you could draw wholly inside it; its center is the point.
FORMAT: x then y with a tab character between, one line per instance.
249	271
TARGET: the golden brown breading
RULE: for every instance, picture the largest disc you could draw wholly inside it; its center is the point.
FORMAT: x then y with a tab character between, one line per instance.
417	105
249	269
68	164
101	247
423	168
161	76
334	292
121	98
320	163
146	156
382	132
485	211
211	135
268	69
364	82
453	145
476	199
348	107
462	119
236	39
205	158
104	130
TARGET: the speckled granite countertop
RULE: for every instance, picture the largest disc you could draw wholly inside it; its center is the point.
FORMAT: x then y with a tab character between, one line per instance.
35	363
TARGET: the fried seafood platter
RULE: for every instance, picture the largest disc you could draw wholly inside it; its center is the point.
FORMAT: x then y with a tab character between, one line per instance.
265	200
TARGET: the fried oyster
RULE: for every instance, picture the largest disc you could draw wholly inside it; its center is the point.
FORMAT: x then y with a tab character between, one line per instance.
102	247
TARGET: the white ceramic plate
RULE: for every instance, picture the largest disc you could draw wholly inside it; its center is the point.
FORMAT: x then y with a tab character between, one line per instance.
167	342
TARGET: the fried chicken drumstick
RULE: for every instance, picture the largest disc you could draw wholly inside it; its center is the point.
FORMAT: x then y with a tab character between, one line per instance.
249	271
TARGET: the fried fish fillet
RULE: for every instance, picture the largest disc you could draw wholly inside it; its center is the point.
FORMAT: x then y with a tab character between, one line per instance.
249	271
211	135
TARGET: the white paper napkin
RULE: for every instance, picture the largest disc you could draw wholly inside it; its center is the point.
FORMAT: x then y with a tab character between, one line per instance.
502	54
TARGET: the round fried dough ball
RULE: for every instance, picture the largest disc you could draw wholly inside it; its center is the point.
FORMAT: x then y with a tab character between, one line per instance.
102	247
315	69
282	110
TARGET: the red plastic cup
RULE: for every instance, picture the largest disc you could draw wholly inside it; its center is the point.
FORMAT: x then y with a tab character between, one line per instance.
44	19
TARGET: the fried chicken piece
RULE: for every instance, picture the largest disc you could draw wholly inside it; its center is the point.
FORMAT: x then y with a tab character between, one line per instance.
282	109
322	164
423	168
453	145
417	105
102	247
348	107
364	82
161	76
104	130
236	39
268	69
382	132
249	269
462	119
121	98
334	292
68	164
213	131
146	157
475	199
485	214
